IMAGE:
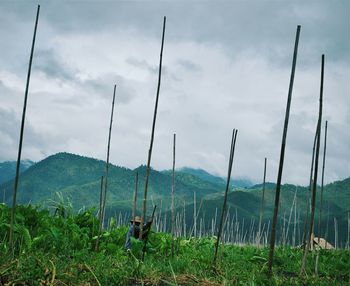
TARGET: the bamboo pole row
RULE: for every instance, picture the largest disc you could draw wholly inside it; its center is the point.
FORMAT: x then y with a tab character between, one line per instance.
237	230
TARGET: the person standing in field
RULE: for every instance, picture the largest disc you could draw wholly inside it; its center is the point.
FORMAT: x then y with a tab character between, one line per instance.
135	232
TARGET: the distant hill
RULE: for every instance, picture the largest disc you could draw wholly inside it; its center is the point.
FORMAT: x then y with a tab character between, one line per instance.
205	176
8	169
78	178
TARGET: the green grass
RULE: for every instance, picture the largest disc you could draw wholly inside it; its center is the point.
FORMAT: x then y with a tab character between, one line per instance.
58	250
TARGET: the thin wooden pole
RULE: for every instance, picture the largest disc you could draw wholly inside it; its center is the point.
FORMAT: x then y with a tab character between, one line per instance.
348	240
144	205
309	190
101	200
313	199
173	198
321	200
194	214
100	215
232	152
283	145
262	207
134	203
13	211
322	183
107	161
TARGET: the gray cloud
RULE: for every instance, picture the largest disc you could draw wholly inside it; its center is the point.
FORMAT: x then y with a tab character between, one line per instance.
48	63
153	69
226	65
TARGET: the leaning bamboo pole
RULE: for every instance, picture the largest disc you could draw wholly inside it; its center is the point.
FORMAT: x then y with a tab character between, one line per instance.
13	211
262	207
232	151
283	145
173	198
314	187
144	205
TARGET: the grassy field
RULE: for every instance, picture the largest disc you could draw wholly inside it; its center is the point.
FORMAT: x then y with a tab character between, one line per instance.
59	250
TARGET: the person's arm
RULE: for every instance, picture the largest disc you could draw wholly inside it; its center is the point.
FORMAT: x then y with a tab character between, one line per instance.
128	240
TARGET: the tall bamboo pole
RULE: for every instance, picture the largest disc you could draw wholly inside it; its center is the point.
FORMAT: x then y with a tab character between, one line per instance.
232	152
134	203
144	205
283	145
13	211
262	203
173	198
313	200
107	160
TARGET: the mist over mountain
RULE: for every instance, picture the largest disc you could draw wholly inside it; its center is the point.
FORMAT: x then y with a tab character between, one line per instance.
8	169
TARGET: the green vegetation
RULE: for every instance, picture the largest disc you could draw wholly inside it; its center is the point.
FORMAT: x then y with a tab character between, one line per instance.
58	250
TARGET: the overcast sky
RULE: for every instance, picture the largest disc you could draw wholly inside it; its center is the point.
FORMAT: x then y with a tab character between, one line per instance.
226	64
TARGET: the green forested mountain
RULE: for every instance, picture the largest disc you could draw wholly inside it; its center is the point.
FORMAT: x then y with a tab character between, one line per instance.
78	179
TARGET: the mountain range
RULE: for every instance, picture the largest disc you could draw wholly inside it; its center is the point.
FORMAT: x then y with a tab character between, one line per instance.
77	179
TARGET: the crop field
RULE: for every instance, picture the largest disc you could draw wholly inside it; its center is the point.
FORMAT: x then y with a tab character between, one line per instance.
58	249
